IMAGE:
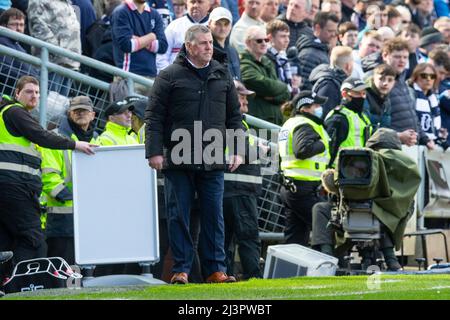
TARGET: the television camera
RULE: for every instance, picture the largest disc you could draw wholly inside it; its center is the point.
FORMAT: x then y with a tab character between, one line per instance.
372	201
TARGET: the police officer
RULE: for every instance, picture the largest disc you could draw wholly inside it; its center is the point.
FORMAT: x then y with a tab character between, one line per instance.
347	124
240	213
20	171
57	178
118	127
303	147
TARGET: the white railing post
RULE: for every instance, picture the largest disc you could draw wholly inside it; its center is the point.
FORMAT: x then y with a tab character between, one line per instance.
43	88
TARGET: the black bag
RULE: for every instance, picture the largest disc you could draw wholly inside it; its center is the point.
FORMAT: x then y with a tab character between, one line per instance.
41	273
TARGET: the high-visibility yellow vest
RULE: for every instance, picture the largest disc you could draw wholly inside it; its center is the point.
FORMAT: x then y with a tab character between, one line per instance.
20	160
305	170
359	127
141	135
57	175
245	173
116	135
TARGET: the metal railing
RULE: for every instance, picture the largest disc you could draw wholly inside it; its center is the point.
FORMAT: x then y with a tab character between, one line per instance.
271	217
64	81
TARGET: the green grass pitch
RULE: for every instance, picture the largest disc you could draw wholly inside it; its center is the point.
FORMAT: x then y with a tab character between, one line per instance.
385	287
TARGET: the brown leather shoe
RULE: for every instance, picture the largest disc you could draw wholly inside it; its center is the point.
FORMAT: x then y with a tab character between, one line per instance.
179	278
220	277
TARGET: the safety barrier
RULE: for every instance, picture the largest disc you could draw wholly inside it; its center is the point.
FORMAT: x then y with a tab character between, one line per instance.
438	167
57	82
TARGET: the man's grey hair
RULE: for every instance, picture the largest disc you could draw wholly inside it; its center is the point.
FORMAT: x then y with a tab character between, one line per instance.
308	5
192	32
252	31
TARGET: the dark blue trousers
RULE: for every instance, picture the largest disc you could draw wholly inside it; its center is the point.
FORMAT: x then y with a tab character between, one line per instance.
180	189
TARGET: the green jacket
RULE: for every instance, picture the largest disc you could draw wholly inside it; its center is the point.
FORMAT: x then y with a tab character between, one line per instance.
270	92
116	134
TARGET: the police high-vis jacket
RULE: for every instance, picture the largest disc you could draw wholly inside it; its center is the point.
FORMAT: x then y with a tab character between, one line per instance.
358	126
309	169
115	135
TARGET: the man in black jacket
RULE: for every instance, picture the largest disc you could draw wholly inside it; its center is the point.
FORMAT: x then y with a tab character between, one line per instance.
20	172
314	51
194	99
220	23
295	17
327	79
395	53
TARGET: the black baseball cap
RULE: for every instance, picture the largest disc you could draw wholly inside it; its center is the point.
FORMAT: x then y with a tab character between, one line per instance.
118	107
139	104
308	97
353	84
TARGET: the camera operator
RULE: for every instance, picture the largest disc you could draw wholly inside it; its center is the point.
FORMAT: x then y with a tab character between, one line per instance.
347	124
303	145
323	236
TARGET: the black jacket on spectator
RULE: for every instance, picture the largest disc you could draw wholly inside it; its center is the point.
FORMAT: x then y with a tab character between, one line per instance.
378	108
346	13
403	110
104	53
413	62
326	82
228	56
310	53
11	68
181	95
94	36
22	5
296	29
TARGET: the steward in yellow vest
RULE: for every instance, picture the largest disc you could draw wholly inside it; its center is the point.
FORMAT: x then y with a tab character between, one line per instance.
20	172
242	188
137	118
57	178
347	124
303	148
118	128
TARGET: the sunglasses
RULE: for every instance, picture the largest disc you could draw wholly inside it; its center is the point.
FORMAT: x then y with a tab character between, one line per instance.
259	41
428	76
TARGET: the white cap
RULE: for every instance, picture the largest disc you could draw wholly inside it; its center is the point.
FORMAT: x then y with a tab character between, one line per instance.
220	13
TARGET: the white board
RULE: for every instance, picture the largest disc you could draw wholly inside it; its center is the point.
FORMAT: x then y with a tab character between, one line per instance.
115	206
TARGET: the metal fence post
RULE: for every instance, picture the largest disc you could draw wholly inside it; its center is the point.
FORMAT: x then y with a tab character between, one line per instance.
422	190
130	84
43	88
